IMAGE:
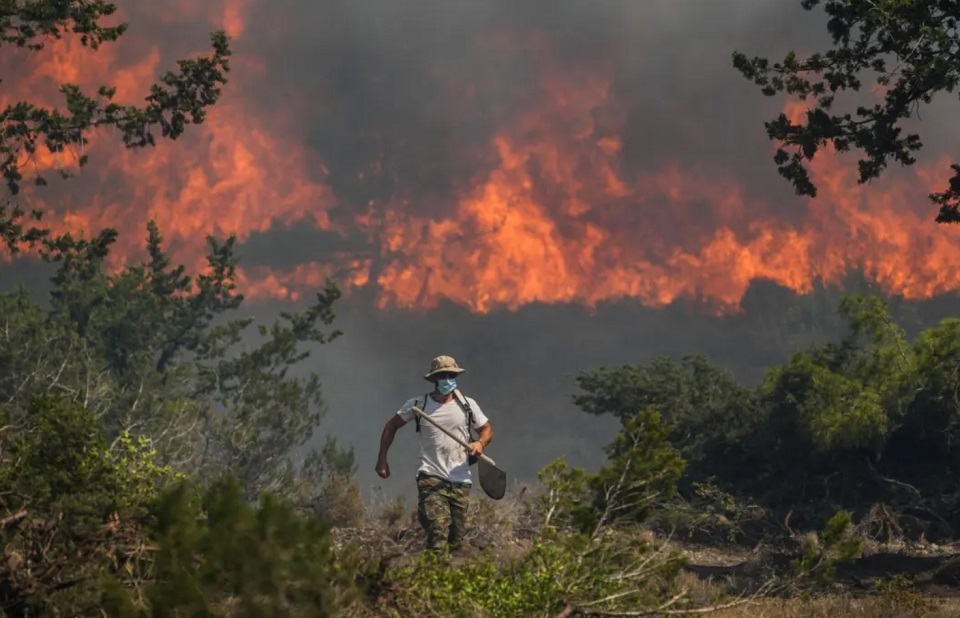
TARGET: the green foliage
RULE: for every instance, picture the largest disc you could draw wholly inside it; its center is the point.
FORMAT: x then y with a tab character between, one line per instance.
585	555
76	505
220	556
58	460
840	401
907	48
871	418
830	412
708	410
137	470
525	587
937	352
565	501
642	470
822	553
560	572
177	100
154	352
83	514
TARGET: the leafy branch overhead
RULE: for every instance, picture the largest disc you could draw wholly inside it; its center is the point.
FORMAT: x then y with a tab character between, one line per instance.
178	99
907	48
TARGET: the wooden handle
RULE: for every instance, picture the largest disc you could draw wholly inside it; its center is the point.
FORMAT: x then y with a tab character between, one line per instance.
421	414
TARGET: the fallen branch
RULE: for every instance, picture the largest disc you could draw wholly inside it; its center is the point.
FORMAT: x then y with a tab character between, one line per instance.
664	609
894	482
917	501
665	612
13	520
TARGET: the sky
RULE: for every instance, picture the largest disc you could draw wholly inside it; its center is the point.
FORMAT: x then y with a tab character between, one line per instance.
537	188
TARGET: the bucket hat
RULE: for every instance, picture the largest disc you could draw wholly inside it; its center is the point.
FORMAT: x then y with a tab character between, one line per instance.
443	364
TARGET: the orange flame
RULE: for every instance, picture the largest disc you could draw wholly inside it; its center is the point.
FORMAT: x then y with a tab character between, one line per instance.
554	219
229	176
517	239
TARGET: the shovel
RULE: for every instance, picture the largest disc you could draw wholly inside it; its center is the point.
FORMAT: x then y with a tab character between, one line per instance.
493	480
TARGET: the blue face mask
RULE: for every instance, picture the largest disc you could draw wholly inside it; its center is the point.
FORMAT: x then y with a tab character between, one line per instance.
446	386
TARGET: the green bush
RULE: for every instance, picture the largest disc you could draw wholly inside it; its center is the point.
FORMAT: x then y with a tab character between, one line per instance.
524	587
822	553
642	471
83	504
709	413
560	571
219	556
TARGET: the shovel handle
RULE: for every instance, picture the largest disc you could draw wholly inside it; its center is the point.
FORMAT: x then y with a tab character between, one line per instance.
420	413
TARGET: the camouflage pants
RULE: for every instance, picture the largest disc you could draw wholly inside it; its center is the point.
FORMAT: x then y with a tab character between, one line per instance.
442	510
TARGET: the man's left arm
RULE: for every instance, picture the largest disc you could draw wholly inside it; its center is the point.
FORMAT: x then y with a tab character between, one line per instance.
484	437
484	430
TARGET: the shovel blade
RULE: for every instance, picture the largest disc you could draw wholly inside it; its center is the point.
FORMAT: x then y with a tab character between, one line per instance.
493	480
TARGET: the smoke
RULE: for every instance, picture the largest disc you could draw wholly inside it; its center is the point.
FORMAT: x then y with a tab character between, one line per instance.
536	188
417	89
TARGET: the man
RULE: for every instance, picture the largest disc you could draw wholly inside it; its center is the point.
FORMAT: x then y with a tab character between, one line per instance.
443	479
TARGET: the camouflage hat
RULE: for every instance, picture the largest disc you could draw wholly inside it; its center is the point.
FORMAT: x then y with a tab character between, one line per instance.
443	364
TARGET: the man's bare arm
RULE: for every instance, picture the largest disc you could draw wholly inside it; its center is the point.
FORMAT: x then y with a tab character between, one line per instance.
386	439
484	437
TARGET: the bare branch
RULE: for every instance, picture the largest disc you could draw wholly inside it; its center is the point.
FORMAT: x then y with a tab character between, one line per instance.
14	519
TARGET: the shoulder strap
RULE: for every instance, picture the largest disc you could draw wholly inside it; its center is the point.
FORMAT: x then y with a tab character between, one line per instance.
466	408
424	408
465	404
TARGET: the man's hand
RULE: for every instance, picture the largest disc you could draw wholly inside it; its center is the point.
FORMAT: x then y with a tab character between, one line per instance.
476	448
383	468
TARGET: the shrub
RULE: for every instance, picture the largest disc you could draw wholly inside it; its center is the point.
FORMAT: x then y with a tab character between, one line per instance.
822	552
78	508
219	556
560	572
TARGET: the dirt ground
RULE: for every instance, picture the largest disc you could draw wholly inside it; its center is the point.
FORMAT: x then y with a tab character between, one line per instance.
895	581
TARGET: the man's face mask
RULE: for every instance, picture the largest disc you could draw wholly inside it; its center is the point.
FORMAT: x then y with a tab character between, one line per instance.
446	385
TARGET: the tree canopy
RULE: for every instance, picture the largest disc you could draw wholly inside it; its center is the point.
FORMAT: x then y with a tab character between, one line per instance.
907	48
179	98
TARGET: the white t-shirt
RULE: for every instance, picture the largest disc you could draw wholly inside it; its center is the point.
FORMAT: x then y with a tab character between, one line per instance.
439	455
